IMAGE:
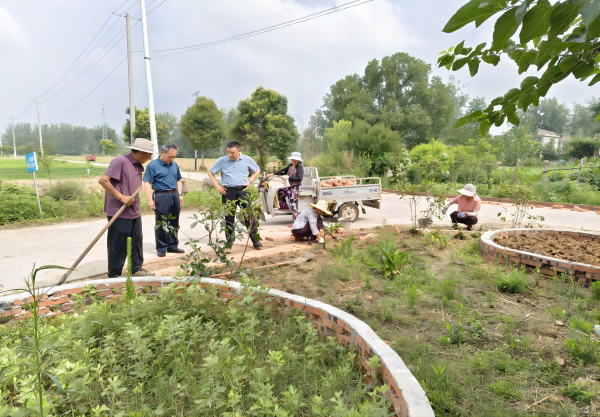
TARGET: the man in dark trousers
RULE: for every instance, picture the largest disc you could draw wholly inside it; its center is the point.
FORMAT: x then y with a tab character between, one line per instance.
235	169
120	180
162	175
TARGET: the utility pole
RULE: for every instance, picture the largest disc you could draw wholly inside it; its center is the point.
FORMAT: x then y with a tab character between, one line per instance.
130	78
14	141
40	129
151	118
103	124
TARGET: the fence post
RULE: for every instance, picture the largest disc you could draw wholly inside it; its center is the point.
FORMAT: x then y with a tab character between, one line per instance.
580	168
516	171
545	174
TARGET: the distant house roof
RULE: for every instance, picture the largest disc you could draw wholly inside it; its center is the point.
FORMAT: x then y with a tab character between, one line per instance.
547	133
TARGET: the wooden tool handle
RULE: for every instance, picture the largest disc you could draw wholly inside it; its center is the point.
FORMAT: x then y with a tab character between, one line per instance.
91	245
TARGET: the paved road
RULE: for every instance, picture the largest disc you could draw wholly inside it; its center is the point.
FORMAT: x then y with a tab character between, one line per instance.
61	244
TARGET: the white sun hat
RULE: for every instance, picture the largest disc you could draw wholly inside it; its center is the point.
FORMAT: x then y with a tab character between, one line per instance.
143	145
469	190
295	155
321	205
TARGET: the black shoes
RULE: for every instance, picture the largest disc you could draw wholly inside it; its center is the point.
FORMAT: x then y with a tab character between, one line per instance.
256	244
161	254
176	250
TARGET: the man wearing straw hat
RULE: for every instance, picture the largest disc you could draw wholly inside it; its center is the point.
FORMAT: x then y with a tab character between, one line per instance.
469	205
309	223
120	180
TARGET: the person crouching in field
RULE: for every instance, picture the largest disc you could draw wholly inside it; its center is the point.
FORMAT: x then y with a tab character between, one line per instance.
309	223
469	205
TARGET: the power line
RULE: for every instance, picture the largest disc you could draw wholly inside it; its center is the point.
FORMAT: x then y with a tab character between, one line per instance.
75	63
88	94
336	9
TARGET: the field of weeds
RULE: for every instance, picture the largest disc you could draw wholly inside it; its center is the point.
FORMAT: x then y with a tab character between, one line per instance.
483	338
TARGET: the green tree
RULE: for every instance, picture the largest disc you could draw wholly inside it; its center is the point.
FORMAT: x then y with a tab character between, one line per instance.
562	37
142	127
582	147
515	144
398	93
203	125
108	146
47	163
264	123
582	118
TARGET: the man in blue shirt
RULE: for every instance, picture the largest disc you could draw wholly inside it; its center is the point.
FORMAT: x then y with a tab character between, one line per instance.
162	175
235	169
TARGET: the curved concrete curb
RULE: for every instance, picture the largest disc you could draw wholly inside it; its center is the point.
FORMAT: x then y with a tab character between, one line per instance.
405	391
548	265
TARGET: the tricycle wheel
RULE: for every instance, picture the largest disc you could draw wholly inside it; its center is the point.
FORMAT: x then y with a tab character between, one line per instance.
348	212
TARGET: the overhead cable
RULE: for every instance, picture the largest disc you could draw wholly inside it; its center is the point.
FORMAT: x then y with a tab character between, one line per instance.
336	9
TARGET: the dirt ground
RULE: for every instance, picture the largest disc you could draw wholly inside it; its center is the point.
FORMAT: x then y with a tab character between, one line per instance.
556	246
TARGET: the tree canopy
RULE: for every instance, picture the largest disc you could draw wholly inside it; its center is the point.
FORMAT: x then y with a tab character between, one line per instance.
397	93
203	124
142	127
562	37
263	122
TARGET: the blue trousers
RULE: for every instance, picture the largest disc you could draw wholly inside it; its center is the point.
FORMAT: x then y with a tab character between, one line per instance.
166	204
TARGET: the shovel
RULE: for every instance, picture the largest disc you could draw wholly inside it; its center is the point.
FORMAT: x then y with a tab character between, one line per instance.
91	245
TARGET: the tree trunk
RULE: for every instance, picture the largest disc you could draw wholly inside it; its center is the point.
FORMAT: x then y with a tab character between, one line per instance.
260	158
580	167
516	171
202	159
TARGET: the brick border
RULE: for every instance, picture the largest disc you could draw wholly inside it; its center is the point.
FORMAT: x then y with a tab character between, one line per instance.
409	398
583	273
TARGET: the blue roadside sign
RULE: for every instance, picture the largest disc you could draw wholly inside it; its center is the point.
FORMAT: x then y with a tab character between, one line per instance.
31	160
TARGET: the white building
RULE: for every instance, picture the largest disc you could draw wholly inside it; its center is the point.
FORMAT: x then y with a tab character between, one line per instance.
550	137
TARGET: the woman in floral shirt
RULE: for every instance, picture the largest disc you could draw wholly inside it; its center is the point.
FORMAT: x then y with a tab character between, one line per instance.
295	172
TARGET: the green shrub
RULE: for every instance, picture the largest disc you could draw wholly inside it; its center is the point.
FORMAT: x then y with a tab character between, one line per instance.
66	190
208	351
596	290
579	392
513	282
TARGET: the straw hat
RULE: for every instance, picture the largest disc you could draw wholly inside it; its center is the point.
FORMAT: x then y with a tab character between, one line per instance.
469	190
143	145
321	205
295	155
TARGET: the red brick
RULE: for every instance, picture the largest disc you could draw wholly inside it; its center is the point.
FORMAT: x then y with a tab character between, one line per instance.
43	310
331	325
12	312
149	283
30	299
67	307
114	298
344	340
224	288
101	286
104	293
51	302
316	311
116	285
69	292
24	316
227	296
17	302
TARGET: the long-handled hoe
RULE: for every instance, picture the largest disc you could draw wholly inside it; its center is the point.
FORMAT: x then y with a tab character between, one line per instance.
91	245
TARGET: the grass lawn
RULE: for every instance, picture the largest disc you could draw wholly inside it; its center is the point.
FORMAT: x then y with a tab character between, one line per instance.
482	338
16	169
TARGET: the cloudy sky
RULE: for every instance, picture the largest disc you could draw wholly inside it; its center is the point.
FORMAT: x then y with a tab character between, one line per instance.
41	39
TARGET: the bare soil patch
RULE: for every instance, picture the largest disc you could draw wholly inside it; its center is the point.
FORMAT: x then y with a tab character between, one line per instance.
556	246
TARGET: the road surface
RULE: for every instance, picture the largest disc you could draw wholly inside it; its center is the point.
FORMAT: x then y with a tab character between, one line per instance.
61	244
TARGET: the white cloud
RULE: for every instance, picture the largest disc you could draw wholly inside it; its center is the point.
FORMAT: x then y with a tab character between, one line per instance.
10	30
